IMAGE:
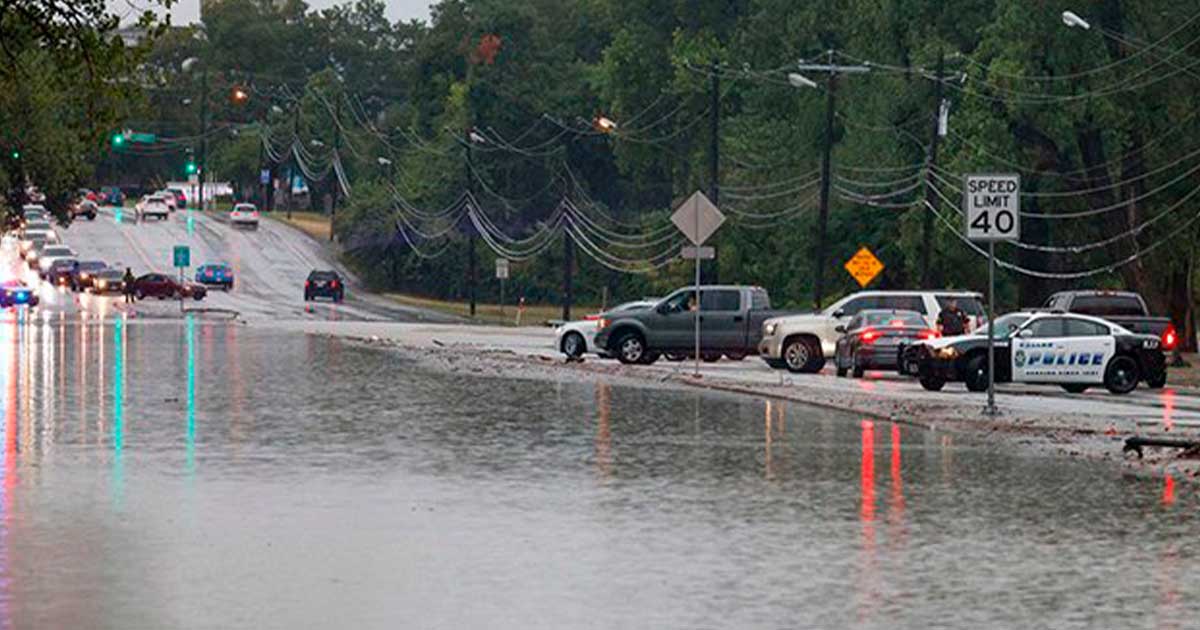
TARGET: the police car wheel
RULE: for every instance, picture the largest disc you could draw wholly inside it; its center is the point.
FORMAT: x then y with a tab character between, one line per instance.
1121	376
1075	388
1157	382
976	377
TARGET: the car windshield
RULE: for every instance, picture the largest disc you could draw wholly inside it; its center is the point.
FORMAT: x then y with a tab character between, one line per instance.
322	275
892	318
57	250
91	265
1005	325
111	273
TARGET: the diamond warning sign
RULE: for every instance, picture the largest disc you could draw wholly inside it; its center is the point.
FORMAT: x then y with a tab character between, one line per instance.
864	266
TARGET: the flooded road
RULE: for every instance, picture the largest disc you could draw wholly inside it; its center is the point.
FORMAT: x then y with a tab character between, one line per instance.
203	474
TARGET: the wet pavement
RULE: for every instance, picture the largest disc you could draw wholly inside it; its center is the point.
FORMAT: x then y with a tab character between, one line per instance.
206	474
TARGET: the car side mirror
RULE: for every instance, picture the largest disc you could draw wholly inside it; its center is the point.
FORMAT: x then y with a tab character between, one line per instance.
838	314
1025	334
839	328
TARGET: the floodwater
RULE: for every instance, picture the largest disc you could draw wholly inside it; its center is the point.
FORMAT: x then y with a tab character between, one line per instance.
212	475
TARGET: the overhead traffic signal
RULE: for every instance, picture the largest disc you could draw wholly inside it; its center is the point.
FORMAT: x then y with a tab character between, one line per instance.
16	155
190	167
118	139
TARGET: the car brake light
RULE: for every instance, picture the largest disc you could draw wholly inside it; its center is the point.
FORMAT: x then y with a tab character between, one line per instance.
869	335
307	284
928	334
591	317
333	284
1169	338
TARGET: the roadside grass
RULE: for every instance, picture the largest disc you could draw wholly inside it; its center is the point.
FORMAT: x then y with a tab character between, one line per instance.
1184	376
313	224
534	314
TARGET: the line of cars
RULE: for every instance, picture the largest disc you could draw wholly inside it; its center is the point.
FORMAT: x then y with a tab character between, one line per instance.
1077	339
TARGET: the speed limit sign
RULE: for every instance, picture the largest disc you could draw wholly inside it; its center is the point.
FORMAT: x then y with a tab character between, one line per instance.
992	205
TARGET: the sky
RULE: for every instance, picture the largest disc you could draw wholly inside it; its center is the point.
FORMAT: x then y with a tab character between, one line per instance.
188	11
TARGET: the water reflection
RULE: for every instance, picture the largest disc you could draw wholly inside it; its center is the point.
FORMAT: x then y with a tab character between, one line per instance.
603	442
190	431
118	419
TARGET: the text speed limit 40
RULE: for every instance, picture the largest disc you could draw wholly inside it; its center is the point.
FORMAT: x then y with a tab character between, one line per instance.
992	205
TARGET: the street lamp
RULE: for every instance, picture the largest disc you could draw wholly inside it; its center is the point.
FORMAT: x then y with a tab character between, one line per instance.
604	124
800	81
1072	20
316	143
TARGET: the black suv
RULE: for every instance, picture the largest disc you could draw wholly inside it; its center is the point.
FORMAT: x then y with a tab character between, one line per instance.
327	284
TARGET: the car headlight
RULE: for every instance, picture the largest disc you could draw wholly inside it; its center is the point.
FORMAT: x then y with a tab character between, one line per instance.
948	352
769	329
102	284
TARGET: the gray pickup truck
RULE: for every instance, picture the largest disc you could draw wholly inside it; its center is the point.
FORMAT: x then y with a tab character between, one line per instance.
1123	308
731	319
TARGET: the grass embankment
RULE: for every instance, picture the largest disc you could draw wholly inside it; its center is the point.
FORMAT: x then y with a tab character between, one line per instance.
313	224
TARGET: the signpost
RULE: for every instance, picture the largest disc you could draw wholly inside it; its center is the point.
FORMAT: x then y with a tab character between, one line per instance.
182	258
863	266
992	208
502	275
697	218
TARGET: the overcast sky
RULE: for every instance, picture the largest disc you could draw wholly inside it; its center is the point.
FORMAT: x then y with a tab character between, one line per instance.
188	11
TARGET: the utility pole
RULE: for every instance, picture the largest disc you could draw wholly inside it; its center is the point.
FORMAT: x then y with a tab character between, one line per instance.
337	181
568	249
823	214
930	196
202	173
714	157
291	193
833	70
472	265
262	163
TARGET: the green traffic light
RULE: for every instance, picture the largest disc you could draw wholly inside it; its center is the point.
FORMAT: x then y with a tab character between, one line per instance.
190	168
118	139
16	155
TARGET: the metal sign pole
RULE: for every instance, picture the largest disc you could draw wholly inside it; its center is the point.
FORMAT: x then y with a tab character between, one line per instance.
697	357
991	398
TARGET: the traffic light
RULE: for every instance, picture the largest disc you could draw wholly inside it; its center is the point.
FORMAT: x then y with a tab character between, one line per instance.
118	139
16	155
190	167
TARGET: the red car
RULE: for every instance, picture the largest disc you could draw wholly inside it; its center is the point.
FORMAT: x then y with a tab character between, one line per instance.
162	286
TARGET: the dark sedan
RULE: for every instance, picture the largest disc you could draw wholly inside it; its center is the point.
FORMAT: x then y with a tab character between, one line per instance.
162	286
108	281
870	341
327	284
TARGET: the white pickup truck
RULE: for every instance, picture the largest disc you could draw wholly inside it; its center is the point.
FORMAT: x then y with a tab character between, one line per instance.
801	343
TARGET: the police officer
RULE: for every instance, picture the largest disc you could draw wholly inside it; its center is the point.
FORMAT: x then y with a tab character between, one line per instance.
128	281
952	320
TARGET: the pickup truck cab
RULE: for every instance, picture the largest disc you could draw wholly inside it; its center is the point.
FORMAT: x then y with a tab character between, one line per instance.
731	319
802	343
1123	308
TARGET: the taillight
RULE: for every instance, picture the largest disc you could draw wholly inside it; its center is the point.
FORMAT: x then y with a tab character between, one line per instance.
307	284
333	284
591	317
869	335
1169	338
928	334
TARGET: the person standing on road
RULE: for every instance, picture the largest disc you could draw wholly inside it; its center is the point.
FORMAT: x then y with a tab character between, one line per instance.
952	320
127	285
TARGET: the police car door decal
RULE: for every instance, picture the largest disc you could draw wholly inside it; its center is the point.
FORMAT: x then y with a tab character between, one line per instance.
1061	359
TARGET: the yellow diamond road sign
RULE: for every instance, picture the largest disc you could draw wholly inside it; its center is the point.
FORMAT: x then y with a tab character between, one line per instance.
864	266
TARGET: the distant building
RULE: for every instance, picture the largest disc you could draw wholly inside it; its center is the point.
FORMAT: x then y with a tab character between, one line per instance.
132	34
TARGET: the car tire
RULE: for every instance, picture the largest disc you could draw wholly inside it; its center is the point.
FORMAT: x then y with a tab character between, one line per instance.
573	345
139	295
775	364
855	368
1122	375
1075	388
675	357
839	370
198	296
735	356
932	383
630	348
709	357
650	358
976	377
802	355
1157	382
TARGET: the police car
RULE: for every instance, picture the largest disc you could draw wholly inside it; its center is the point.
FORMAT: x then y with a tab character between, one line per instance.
1074	351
